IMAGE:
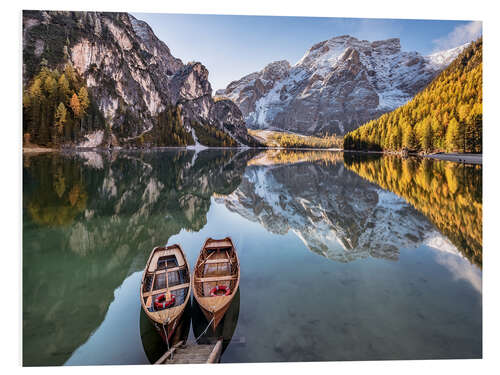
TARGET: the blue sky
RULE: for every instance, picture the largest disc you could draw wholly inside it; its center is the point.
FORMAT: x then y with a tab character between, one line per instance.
233	46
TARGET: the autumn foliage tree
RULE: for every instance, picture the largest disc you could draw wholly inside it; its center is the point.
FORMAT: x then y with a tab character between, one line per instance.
55	105
60	118
448	194
445	116
74	103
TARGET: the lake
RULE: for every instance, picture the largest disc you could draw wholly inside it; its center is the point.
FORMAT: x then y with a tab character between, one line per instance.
343	256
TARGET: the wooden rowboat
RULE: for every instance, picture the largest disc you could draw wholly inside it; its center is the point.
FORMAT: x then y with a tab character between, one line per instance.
165	288
216	278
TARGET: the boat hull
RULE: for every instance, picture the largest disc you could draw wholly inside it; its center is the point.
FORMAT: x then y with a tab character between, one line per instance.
173	315
215	307
169	328
217	317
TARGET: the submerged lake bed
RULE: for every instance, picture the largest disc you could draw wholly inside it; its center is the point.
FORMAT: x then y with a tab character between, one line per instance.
343	256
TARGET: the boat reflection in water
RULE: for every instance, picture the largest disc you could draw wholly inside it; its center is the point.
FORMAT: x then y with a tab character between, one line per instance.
224	330
153	344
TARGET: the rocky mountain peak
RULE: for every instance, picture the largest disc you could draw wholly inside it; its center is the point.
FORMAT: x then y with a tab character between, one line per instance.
190	82
130	73
327	51
338	85
389	46
276	70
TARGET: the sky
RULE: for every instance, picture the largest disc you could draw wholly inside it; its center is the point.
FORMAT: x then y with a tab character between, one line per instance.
234	46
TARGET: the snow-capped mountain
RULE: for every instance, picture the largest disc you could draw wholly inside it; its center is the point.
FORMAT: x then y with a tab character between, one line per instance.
336	86
335	212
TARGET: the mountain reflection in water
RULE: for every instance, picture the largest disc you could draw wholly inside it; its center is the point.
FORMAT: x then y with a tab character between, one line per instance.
91	219
133	202
448	194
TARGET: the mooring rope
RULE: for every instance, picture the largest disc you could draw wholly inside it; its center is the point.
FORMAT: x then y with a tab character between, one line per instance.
196	339
166	339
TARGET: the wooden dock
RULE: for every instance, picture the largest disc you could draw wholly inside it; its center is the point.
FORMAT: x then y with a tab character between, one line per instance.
191	353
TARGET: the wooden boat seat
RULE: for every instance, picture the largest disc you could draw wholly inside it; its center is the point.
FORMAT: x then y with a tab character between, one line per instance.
215	261
173	269
214	244
166	252
158	291
215	278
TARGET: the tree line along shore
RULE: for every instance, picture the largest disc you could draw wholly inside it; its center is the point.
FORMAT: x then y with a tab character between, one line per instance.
443	121
444	117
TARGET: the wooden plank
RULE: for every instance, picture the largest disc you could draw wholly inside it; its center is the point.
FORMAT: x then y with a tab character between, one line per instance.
173	269
193	353
215	355
171	250
165	356
218	244
206	260
214	261
215	278
228	258
180	286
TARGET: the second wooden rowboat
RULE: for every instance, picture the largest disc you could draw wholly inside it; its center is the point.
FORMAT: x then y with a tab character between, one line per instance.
216	278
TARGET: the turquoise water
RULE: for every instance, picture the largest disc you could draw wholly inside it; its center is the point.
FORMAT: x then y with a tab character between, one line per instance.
333	267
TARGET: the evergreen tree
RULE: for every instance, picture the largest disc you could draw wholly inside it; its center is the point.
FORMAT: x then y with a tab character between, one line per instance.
60	118
47	101
409	138
453	138
454	97
83	97
63	89
426	140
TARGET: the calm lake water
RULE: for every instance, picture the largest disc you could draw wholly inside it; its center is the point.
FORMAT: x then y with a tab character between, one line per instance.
343	256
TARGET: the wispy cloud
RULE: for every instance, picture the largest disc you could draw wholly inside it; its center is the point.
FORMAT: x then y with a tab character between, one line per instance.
459	35
448	256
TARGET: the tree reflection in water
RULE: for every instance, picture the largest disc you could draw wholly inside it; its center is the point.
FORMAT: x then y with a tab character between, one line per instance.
448	194
91	219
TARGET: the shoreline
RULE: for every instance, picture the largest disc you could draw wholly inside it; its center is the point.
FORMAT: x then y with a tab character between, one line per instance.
38	150
188	148
453	157
458	158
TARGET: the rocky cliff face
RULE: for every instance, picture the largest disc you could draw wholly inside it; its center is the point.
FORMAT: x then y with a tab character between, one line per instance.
338	85
130	73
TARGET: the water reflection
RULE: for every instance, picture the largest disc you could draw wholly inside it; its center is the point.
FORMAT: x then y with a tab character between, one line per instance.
56	193
344	217
336	213
448	194
90	221
225	329
76	254
153	345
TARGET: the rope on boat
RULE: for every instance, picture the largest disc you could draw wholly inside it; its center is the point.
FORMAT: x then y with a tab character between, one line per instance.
166	339
196	339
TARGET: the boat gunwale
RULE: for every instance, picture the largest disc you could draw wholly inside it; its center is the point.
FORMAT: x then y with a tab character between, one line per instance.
227	299
182	306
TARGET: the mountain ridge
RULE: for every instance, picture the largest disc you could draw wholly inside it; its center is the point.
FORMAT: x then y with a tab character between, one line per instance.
130	73
445	116
337	85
